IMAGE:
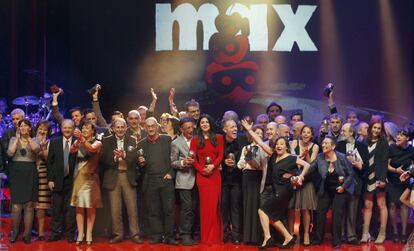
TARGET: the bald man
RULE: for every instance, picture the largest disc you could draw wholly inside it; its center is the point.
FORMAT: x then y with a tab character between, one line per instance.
158	183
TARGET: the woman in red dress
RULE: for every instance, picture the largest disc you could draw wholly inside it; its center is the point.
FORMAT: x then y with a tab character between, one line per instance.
208	149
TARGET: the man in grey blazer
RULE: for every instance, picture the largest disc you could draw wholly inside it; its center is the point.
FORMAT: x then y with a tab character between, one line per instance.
185	178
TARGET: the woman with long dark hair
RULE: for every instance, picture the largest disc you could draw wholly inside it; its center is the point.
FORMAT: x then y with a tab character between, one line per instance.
304	199
376	180
23	179
273	208
208	149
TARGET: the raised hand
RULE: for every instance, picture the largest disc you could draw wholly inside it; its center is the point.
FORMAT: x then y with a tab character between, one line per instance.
246	125
153	94
171	96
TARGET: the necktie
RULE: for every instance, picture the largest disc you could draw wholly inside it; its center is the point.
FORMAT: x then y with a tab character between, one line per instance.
66	158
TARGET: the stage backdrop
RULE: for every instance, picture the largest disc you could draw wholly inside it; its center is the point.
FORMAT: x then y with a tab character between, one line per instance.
226	54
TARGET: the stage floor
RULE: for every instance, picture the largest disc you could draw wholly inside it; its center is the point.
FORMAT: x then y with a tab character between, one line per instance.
102	244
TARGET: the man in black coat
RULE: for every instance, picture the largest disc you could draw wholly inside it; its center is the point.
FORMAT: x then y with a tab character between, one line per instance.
60	168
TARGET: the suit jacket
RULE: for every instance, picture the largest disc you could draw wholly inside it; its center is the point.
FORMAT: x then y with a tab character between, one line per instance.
343	167
110	167
184	177
359	174
55	165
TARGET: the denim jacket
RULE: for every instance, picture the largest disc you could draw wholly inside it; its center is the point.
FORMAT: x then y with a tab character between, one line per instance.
319	169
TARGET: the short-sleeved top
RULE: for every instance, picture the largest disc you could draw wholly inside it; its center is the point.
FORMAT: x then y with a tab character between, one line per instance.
24	153
283	166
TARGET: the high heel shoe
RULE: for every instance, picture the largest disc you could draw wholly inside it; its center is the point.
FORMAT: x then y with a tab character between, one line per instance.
13	236
80	241
89	242
289	244
266	245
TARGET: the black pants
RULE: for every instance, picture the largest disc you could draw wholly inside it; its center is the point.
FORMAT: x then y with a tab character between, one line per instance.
62	210
187	211
160	199
338	202
232	209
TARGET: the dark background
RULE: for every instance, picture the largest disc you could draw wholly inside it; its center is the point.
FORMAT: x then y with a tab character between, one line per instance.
76	44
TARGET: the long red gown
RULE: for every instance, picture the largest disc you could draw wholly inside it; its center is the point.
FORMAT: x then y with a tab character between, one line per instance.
209	188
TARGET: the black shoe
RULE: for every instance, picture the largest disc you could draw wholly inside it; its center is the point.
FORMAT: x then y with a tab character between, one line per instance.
136	239
187	241
116	239
79	241
236	241
41	238
27	239
404	238
155	240
336	246
266	245
13	237
171	241
288	245
53	238
395	238
353	242
315	243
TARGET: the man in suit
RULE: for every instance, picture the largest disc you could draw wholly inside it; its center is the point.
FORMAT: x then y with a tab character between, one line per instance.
118	159
357	154
185	179
60	168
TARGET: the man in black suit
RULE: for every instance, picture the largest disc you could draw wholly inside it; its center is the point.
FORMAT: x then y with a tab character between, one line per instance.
118	159
60	168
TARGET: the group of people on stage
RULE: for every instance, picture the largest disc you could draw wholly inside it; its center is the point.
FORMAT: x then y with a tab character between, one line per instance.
237	183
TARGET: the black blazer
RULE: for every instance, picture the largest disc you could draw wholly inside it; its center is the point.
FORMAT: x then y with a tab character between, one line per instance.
359	174
110	167
54	164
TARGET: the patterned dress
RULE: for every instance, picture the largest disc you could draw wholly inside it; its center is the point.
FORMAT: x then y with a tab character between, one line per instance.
44	194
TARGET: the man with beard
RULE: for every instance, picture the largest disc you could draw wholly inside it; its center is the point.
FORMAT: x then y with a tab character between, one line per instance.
357	154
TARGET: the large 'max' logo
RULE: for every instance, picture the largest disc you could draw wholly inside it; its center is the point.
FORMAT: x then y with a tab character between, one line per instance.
187	18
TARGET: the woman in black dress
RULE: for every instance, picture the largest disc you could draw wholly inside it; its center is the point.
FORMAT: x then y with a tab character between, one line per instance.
400	156
273	208
23	179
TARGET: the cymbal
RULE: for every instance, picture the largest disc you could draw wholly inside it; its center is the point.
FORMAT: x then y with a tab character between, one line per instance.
26	100
47	95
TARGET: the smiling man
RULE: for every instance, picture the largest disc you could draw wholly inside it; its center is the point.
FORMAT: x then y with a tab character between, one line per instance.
231	200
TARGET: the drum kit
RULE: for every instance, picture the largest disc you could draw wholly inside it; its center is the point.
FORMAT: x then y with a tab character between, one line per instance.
40	112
